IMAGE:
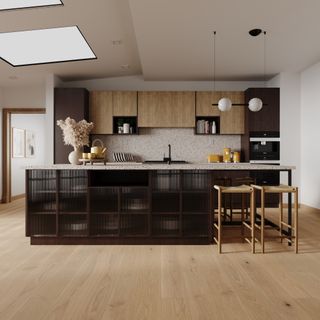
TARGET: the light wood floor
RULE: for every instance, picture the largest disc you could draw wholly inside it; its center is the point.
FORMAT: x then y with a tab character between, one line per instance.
157	282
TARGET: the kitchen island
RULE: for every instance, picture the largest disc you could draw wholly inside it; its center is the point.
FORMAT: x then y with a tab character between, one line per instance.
128	203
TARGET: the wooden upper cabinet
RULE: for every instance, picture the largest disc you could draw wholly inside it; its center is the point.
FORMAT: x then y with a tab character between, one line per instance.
125	103
233	121
101	111
170	109
204	101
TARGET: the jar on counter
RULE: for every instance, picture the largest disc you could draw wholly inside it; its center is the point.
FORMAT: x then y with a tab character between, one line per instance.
226	155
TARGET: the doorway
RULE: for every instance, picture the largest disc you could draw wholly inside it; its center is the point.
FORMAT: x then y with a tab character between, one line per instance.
25	137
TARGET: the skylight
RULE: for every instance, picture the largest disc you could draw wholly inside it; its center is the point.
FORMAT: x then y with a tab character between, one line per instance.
20	4
22	48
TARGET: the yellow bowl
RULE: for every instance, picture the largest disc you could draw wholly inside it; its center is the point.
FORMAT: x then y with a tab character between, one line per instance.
212	158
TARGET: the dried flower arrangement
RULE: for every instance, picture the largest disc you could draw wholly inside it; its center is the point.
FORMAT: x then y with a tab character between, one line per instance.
75	133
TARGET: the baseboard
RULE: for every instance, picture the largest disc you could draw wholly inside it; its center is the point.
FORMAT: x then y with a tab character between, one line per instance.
19	196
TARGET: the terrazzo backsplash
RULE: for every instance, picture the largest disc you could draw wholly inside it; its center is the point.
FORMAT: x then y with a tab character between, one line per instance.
152	144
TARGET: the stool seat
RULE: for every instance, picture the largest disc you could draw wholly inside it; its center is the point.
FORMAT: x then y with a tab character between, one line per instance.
234	189
276	189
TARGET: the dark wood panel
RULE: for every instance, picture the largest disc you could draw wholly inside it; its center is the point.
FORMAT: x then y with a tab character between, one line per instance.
68	102
268	118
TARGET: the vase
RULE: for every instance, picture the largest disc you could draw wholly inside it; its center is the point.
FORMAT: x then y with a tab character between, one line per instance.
74	156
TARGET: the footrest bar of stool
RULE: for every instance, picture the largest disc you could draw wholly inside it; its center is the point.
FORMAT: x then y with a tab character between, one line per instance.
216	226
215	240
257	226
286	225
248	240
247	225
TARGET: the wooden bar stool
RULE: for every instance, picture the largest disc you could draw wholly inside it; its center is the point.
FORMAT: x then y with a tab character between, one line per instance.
243	189
293	227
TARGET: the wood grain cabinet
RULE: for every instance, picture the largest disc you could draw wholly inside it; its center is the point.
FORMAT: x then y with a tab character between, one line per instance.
268	118
101	109
125	103
168	109
231	122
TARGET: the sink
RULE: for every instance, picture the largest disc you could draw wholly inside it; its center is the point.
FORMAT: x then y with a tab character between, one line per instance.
165	162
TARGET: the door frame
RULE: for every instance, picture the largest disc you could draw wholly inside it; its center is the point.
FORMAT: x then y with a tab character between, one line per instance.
6	147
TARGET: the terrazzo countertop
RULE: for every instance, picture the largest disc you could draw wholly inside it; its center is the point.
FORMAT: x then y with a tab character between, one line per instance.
148	166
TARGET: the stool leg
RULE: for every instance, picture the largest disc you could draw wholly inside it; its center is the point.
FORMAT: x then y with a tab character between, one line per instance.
242	214
219	220
262	219
281	215
252	221
296	207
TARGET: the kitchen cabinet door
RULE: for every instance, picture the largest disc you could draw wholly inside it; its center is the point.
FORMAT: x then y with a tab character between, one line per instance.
268	118
101	111
166	109
68	102
204	101
125	103
232	122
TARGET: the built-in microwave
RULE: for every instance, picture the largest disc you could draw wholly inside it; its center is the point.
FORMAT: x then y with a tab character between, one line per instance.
264	149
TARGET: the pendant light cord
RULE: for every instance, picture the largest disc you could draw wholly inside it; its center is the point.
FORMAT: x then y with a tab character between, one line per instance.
214	61
264	57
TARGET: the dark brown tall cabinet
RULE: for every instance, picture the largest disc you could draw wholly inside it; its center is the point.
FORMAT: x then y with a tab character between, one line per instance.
68	102
265	120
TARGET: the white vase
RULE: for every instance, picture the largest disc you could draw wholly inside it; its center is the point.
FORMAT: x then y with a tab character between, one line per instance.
74	156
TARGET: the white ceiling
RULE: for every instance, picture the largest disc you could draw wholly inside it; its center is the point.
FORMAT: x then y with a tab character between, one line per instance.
172	39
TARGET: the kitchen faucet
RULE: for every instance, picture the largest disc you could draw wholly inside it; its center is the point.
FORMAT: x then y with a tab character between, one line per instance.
168	159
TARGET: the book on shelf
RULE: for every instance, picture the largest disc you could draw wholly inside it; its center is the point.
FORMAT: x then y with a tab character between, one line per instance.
206	127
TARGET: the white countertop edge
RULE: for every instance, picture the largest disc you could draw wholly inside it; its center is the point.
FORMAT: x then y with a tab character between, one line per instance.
143	166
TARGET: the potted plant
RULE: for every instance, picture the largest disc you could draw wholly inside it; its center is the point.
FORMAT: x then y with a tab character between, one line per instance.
75	134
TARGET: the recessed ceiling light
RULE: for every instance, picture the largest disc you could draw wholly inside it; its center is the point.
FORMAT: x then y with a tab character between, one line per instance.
21	4
23	48
116	42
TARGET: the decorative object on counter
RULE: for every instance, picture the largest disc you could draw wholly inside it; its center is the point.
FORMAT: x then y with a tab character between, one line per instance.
98	150
213	127
92	155
256	104
214	158
236	156
75	134
92	161
123	157
85	155
227	155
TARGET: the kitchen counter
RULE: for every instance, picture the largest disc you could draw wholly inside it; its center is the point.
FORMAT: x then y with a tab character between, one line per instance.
145	166
131	203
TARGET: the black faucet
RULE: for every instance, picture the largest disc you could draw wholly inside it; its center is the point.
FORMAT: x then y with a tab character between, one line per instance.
168	159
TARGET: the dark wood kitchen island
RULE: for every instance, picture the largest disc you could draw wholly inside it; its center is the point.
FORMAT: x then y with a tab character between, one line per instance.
127	203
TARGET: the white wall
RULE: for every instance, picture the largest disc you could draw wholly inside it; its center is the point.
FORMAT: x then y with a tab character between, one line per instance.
20	97
36	124
290	122
310	136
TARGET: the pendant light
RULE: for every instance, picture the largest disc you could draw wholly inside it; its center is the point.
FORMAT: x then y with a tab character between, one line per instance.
256	104
224	104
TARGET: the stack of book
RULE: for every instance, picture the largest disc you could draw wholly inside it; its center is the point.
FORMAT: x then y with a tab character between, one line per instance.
206	127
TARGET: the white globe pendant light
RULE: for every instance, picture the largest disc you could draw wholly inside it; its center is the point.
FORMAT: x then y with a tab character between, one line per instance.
224	104
255	104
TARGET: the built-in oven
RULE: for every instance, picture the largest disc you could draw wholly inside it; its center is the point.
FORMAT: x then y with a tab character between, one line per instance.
264	149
